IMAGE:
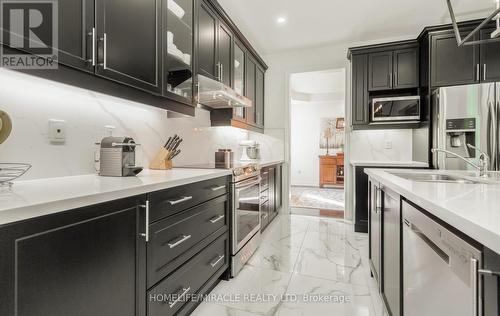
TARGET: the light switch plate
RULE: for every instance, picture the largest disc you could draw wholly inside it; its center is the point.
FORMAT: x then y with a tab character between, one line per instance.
388	144
57	131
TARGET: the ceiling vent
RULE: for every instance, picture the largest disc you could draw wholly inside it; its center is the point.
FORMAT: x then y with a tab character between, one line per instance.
466	41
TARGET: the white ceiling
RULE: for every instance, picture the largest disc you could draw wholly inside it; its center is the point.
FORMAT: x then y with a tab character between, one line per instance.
322	22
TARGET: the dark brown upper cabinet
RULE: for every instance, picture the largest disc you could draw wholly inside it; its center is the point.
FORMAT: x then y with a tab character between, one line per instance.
395	69
129	52
490	58
406	70
215	46
451	64
76	33
177	39
239	77
380	71
250	74
360	106
224	55
259	96
207	41
225	52
149	51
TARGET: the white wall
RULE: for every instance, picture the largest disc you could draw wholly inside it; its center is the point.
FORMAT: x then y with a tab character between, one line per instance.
32	101
305	138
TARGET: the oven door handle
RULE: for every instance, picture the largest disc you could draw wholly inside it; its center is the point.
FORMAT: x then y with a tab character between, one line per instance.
247	183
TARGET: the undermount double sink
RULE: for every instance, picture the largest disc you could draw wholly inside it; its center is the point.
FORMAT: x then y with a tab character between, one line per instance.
490	178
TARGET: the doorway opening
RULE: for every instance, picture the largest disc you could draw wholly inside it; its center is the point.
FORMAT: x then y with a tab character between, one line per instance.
317	140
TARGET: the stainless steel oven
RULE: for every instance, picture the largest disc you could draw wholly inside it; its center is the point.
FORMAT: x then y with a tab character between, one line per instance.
395	109
246	221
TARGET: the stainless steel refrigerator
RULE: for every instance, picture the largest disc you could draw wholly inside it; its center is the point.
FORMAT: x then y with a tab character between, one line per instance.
466	115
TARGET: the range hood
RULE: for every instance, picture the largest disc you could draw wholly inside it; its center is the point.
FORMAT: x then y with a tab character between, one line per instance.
216	95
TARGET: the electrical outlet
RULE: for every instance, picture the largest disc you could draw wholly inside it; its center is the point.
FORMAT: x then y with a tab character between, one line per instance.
108	130
388	144
57	131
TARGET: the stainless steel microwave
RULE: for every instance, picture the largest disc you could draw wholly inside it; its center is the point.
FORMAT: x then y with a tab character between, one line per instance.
396	109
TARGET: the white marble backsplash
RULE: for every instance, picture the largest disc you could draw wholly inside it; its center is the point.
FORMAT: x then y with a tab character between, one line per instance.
369	145
32	102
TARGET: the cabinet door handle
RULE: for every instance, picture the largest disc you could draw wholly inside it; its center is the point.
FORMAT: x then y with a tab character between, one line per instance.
146	231
218	71
378	206
213	264
478	74
218	188
221	72
484	72
182	239
104	40
92	33
183	199
216	219
184	292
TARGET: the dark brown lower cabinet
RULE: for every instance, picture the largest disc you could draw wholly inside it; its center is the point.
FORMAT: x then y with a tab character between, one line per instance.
89	261
271	195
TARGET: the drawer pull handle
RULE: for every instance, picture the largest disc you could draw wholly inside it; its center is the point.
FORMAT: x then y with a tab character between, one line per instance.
183	199
178	242
184	292
216	262
218	188
216	219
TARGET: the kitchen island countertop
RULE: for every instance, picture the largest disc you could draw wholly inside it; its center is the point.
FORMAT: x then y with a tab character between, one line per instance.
472	208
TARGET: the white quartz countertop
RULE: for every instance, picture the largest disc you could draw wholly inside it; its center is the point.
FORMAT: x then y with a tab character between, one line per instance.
267	163
472	208
33	198
374	163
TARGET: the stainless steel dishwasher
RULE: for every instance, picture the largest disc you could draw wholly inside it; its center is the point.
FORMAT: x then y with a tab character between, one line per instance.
440	270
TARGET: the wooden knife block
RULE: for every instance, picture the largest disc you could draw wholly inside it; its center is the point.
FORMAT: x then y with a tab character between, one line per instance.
161	161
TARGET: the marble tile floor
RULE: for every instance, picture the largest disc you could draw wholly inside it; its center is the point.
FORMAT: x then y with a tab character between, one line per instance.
305	266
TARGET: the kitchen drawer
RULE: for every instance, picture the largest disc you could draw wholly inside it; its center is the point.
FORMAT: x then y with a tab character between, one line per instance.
176	235
171	201
264	197
167	297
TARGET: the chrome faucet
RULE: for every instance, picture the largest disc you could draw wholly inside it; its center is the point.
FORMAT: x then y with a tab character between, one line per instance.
484	159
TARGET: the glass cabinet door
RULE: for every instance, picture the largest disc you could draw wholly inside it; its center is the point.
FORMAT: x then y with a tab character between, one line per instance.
178	54
239	77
